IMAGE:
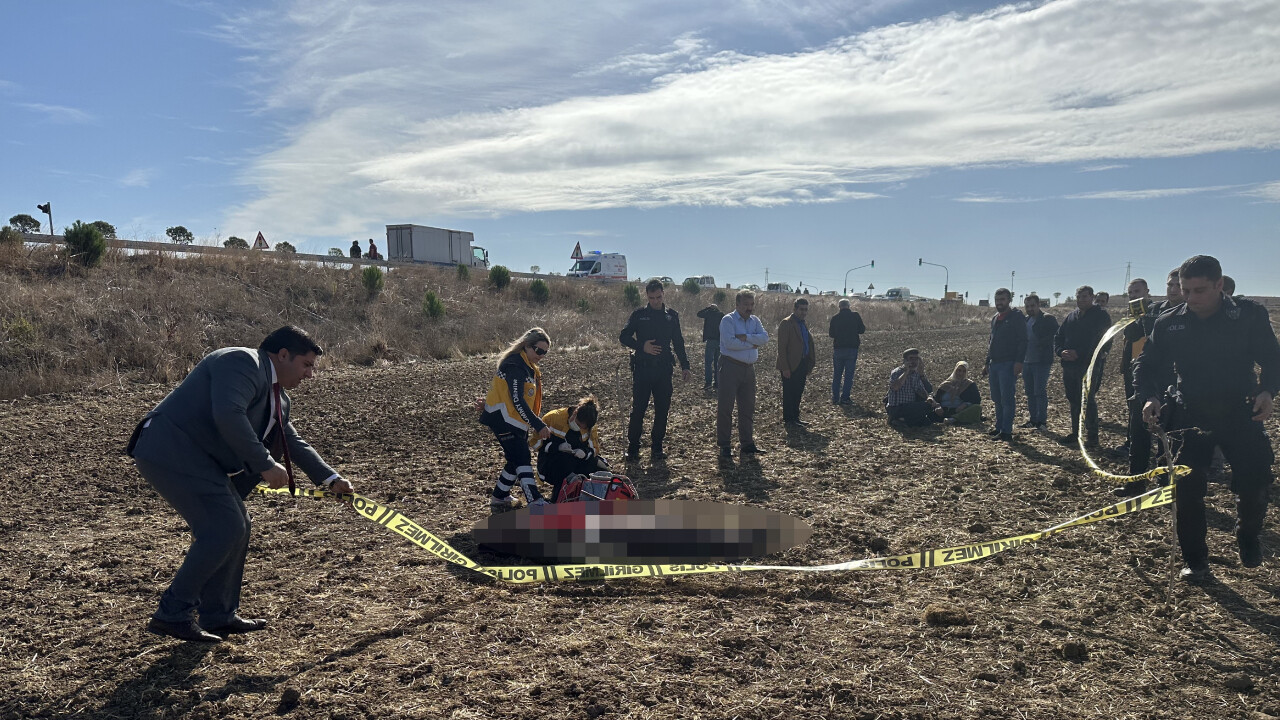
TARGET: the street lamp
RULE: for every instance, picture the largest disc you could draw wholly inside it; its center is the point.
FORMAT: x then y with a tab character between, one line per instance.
846	276
946	285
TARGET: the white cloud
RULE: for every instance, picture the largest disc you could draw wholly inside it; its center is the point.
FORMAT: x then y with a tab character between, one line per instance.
474	110
992	198
59	114
1102	168
1269	192
1147	194
140	177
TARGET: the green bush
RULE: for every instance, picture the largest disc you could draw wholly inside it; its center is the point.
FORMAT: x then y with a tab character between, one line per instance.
464	272
499	277
9	237
85	244
539	291
691	286
432	305
235	242
284	246
584	305
107	229
632	294
371	279
720	297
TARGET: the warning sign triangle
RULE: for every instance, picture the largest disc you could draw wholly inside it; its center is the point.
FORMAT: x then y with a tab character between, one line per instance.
577	252
260	243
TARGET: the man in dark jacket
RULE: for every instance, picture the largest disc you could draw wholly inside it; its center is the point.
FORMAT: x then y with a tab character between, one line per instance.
1210	346
1075	343
711	316
1038	363
355	249
653	334
846	330
1005	353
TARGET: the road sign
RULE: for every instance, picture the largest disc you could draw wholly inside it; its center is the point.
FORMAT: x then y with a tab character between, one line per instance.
577	252
260	243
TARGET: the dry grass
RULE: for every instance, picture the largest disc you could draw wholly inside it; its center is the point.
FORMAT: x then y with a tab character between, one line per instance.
150	317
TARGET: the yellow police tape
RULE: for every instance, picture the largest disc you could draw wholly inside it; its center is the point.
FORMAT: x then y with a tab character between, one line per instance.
410	530
1087	390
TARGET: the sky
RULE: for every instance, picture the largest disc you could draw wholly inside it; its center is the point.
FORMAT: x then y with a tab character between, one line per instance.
1038	145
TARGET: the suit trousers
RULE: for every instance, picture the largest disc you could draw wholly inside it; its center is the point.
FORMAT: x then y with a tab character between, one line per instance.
1139	439
737	385
793	390
208	582
649	380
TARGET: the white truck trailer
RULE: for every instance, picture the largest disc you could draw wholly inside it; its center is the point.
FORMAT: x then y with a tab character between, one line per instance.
419	243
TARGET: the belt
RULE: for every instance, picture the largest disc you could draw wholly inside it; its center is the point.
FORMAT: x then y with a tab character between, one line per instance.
736	362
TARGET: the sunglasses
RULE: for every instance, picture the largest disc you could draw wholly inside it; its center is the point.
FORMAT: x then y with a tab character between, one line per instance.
541	351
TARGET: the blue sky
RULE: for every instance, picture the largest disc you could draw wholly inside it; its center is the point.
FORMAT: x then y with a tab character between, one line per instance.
1058	141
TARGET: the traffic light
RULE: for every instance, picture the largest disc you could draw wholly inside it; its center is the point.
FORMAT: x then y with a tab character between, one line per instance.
45	208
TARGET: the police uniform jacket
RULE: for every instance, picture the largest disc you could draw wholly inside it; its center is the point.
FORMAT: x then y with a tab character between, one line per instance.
1213	359
661	326
515	396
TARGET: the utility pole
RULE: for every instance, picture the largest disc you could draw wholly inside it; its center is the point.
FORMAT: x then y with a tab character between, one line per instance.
1127	267
946	283
1011	274
766	278
846	276
47	209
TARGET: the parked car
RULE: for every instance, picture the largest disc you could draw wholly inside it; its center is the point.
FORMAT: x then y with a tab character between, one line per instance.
752	287
706	282
779	287
666	280
829	293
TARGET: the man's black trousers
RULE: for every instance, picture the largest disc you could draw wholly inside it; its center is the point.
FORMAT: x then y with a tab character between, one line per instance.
1139	440
793	391
1072	383
1248	449
649	380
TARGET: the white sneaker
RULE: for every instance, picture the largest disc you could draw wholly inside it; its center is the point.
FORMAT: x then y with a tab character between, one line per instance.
506	502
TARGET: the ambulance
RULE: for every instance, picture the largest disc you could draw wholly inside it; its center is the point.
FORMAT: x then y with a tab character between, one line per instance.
600	266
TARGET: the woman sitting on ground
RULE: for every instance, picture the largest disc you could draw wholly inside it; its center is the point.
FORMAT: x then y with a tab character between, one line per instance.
958	395
574	446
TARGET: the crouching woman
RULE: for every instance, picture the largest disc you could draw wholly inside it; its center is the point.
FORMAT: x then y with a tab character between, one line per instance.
574	446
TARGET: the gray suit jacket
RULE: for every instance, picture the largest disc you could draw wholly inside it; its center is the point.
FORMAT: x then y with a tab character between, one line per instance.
217	416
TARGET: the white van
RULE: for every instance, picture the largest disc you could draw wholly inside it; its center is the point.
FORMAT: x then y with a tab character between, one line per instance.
600	266
706	282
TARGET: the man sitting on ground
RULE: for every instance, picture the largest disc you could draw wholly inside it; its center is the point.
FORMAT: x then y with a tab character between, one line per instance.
909	400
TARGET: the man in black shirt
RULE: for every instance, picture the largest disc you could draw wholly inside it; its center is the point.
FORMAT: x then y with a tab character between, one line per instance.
652	333
711	316
1209	346
1077	338
846	330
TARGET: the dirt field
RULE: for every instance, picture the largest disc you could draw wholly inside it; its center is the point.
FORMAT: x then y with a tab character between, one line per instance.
365	625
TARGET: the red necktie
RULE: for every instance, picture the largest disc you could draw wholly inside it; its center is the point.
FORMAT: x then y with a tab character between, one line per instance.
284	443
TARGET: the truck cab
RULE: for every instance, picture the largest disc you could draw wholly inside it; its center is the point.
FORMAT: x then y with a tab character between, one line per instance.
600	266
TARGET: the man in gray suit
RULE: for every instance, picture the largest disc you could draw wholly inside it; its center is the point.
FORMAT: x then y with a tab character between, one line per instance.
204	448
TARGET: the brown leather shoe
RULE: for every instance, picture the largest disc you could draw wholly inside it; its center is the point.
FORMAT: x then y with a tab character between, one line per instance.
238	625
188	631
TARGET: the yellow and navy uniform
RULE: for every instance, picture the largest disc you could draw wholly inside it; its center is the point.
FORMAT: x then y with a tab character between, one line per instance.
515	396
511	409
558	455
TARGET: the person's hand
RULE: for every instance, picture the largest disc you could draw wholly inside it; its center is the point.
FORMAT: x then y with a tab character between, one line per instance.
276	476
1017	369
1070	355
545	432
684	375
984	372
479	404
1262	406
786	374
652	348
1151	411
342	486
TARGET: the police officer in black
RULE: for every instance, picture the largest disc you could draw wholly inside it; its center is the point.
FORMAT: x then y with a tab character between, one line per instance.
653	334
1209	346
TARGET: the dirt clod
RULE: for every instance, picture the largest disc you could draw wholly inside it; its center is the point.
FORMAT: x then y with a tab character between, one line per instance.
938	614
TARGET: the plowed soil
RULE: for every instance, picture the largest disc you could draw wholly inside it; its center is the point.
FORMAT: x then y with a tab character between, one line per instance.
364	624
